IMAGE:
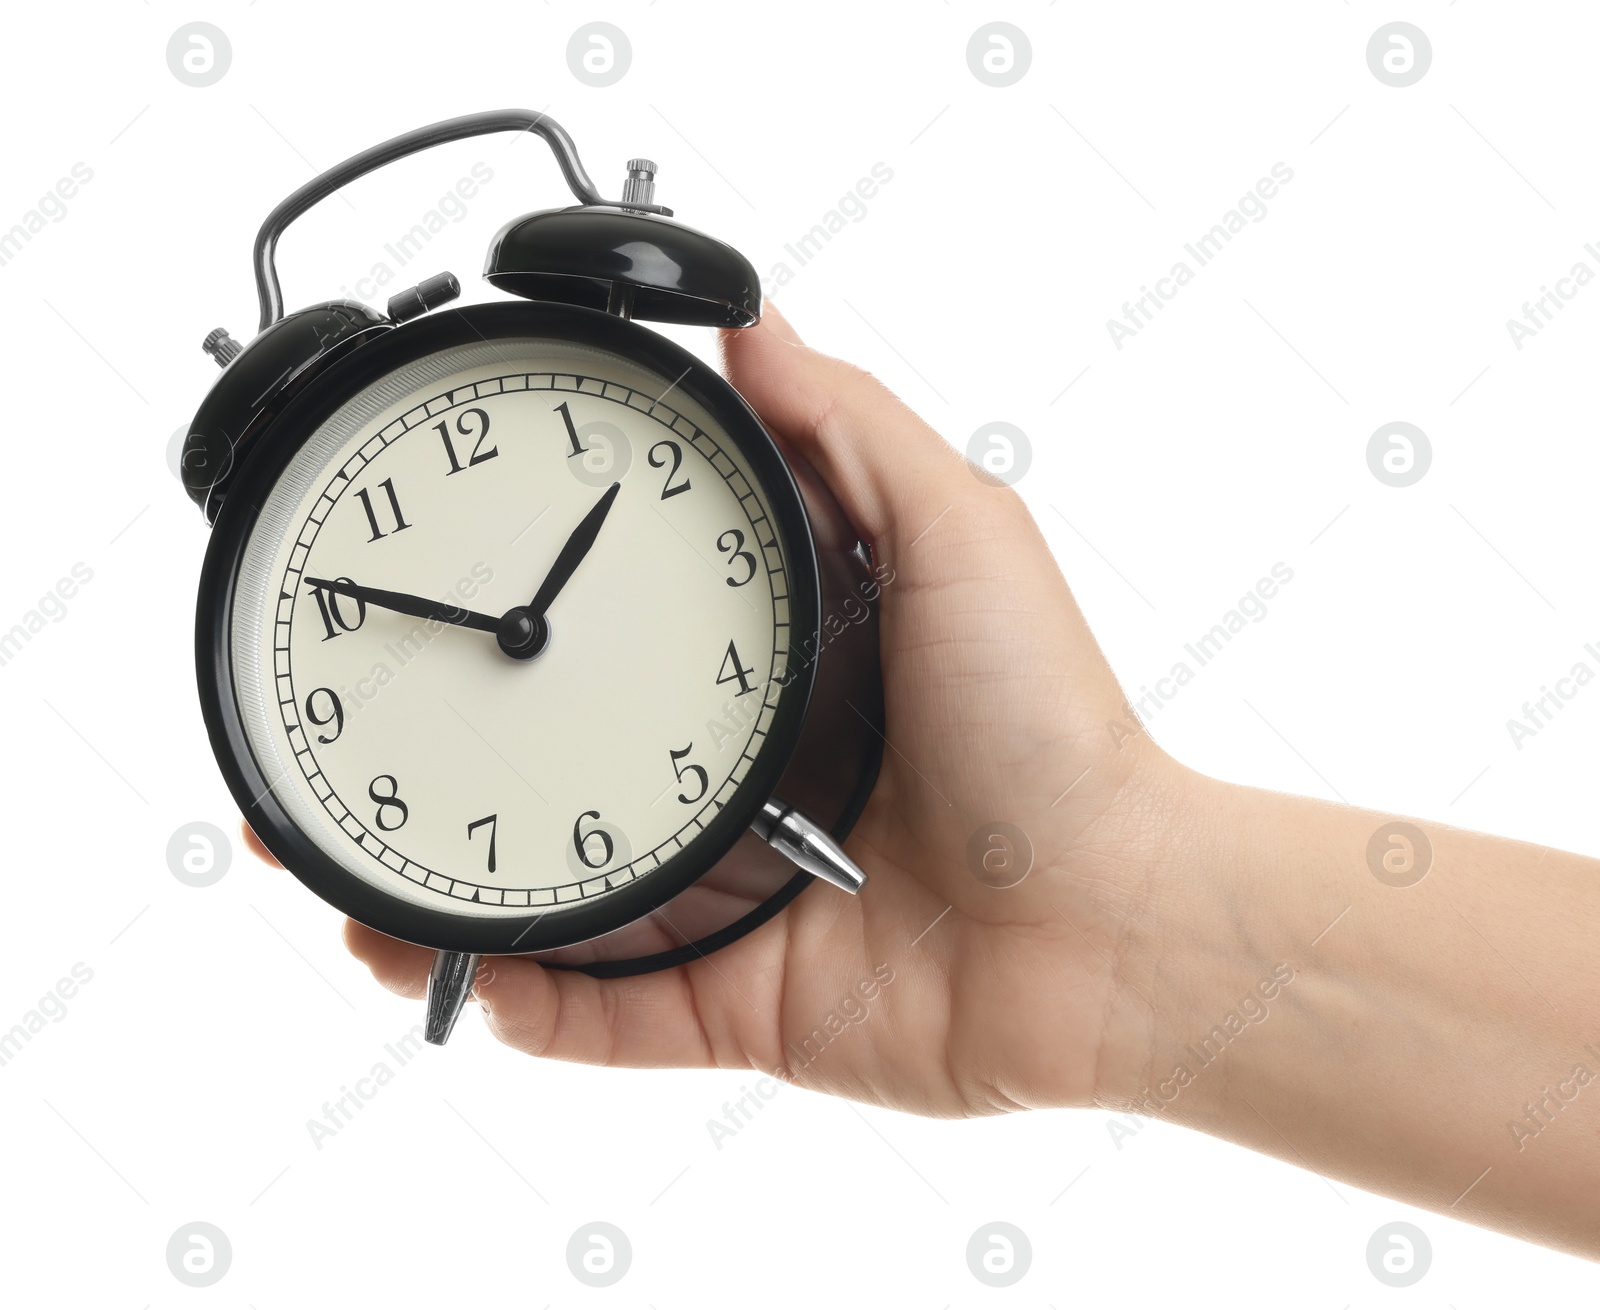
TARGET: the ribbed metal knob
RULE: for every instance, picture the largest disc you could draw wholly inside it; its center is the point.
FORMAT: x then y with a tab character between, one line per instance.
640	188
221	347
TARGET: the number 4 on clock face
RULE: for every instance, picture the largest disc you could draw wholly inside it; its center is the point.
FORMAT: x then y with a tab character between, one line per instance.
733	671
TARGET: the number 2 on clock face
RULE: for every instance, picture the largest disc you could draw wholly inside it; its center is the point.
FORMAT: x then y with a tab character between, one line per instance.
416	751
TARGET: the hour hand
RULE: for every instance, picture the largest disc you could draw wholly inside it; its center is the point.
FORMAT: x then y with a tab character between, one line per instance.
402	603
572	553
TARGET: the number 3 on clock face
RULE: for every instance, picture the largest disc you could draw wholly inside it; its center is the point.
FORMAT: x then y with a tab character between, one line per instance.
429	767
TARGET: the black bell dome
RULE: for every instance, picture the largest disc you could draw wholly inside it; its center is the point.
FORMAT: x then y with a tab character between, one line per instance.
588	254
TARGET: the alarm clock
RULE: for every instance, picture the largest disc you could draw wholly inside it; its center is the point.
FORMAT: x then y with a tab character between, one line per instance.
517	632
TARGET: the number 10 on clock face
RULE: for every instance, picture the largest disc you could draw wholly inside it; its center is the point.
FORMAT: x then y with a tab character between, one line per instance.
517	619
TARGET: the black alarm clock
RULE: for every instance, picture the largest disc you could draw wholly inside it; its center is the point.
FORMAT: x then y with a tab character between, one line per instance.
517	633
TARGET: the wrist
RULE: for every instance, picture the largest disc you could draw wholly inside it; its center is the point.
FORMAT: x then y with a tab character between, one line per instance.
1190	958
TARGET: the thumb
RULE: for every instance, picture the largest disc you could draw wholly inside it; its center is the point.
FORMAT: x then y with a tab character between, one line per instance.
891	472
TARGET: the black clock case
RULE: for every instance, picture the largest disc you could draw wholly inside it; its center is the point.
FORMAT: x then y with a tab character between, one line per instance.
827	733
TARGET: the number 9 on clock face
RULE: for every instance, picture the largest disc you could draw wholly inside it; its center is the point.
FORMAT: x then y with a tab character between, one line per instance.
509	631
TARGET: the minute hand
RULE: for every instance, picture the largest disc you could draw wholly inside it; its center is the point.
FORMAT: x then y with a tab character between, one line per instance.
401	603
571	555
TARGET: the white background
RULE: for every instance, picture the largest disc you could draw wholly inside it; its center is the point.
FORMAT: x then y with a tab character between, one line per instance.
1227	436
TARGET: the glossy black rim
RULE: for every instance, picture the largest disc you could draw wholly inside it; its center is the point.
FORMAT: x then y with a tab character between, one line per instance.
441	929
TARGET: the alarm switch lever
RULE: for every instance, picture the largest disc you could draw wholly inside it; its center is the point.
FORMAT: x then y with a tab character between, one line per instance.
797	838
430	293
449	984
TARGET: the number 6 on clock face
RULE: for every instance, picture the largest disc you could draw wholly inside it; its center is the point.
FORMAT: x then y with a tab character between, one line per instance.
509	634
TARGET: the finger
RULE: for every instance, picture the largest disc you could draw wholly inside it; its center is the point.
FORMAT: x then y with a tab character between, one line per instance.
397	965
649	1021
776	321
892	473
254	845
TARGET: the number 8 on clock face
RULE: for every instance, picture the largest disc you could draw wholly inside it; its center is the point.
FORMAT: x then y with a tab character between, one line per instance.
510	630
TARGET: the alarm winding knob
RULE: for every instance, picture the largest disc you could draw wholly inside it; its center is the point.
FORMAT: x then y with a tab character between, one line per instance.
640	187
221	347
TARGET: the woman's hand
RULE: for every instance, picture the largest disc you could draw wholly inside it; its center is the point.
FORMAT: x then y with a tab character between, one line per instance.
1408	1008
935	990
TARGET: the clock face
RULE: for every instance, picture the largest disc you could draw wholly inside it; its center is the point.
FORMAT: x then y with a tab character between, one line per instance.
419	756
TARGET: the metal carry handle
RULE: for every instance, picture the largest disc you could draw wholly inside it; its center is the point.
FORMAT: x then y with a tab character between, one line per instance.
268	292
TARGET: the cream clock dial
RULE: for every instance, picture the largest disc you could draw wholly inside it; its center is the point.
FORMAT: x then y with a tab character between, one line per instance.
424	754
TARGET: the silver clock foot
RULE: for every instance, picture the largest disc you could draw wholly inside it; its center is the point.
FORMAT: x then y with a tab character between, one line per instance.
449	985
797	838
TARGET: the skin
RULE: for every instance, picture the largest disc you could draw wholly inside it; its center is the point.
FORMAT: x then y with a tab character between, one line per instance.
1391	1036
